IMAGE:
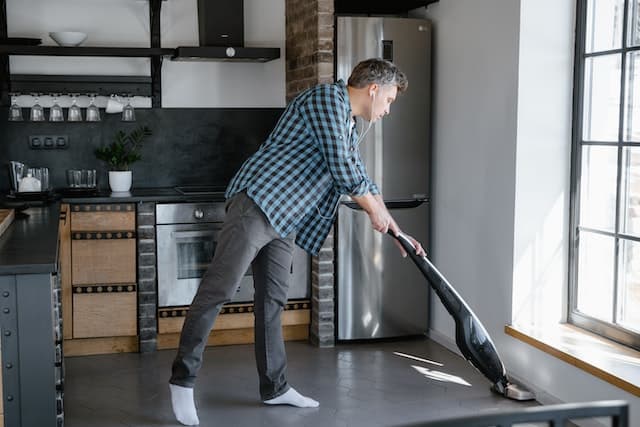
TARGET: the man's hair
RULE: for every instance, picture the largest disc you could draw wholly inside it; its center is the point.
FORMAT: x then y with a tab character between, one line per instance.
379	71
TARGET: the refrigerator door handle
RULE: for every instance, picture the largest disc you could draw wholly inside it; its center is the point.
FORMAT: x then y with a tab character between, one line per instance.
392	204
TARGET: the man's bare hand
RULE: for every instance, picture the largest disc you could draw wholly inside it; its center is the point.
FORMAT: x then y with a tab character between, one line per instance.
419	250
382	221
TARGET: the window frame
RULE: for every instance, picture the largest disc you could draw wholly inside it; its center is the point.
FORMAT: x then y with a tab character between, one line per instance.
609	330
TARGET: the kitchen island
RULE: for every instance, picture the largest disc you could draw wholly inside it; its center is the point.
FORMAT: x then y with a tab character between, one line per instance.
30	321
30	244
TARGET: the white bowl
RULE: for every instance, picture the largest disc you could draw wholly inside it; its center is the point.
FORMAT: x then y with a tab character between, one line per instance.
68	38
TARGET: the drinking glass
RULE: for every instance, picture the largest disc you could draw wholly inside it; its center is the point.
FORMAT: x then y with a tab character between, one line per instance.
75	113
128	113
93	112
15	112
55	113
72	181
37	113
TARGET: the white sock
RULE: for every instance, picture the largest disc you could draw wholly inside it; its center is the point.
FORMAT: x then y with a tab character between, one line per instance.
293	398
184	408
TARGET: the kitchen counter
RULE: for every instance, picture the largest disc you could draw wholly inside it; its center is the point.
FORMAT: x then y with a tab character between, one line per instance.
158	195
30	244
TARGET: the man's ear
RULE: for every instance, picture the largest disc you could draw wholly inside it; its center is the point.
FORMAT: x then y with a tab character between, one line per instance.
373	88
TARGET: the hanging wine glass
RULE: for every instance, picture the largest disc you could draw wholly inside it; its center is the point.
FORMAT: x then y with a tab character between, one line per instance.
15	111
75	113
55	112
93	112
128	113
36	112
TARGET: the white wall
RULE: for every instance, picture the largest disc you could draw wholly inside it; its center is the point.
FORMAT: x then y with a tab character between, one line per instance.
502	135
474	133
125	23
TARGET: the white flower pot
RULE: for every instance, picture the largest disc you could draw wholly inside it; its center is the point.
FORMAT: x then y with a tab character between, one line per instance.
120	181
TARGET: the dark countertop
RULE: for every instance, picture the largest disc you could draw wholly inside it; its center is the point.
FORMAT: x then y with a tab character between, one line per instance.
30	244
158	195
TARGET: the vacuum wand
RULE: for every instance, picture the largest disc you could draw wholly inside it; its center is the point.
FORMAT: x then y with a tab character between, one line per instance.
471	337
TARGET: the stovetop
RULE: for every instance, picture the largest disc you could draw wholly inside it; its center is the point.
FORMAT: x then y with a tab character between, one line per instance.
200	190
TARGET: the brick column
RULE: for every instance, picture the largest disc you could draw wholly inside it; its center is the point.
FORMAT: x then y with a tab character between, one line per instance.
147	296
309	61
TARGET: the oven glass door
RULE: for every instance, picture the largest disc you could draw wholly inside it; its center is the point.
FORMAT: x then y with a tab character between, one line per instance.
184	254
194	251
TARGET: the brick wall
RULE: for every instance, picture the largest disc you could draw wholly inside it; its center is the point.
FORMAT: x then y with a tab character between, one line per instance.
309	61
147	296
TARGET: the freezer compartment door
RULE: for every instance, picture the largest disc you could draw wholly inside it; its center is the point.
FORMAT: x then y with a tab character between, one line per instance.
396	149
379	293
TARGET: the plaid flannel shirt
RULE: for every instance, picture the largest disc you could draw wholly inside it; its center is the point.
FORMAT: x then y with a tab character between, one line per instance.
308	161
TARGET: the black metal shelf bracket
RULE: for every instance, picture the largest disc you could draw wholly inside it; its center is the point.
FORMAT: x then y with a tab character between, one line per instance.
155	7
4	59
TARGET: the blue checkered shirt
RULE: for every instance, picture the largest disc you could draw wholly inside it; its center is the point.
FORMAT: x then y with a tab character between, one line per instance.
308	161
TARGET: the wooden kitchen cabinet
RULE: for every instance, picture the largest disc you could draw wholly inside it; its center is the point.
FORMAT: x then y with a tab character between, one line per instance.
103	280
104	315
97	261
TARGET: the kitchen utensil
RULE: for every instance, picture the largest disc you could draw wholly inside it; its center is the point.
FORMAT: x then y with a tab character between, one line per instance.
15	111
42	175
81	178
17	171
113	105
29	184
68	38
75	114
128	113
93	112
55	113
36	113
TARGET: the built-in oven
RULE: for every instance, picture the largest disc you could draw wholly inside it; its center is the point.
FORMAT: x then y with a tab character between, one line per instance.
186	236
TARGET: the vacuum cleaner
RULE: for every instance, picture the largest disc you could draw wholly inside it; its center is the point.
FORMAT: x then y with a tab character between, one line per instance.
471	337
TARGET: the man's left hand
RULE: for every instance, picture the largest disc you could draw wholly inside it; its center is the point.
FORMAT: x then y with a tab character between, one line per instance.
419	249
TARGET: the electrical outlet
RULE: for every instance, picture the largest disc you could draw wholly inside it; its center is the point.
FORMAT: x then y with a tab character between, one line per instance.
48	142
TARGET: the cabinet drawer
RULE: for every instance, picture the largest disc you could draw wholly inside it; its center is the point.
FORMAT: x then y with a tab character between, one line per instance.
103	261
104	314
103	217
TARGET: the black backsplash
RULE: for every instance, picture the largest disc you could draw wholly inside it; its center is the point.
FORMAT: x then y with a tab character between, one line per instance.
188	145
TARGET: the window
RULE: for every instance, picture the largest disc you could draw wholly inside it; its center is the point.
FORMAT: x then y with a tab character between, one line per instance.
605	257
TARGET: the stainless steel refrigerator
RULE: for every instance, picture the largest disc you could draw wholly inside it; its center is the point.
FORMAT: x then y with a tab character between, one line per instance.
379	293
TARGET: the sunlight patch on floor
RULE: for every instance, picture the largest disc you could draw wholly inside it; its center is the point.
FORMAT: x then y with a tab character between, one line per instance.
440	376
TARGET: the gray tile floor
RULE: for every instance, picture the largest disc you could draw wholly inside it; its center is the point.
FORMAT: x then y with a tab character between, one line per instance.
362	384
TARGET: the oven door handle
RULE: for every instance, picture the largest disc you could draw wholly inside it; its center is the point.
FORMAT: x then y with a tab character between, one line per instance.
190	234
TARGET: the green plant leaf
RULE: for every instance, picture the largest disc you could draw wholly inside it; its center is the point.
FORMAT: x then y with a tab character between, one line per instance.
125	148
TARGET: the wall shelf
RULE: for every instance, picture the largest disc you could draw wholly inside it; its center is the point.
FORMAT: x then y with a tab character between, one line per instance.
120	84
105	85
125	52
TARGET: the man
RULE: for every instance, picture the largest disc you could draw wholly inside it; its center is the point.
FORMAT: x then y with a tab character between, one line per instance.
287	193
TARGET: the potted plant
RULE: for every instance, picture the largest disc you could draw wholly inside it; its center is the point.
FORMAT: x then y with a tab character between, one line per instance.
124	150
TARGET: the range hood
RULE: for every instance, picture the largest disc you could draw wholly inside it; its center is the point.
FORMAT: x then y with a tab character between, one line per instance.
221	33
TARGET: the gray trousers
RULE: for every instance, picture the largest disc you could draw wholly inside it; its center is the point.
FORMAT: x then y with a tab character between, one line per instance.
246	238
